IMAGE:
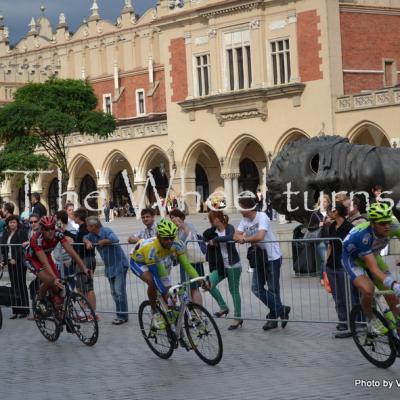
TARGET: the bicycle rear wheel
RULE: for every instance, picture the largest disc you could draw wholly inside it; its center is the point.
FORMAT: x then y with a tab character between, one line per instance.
48	325
203	334
81	319
159	339
379	350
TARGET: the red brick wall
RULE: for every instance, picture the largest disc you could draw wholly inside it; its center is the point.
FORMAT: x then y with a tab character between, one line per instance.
125	107
179	83
308	46
367	39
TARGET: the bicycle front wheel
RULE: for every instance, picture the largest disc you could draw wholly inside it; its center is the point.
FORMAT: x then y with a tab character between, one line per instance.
157	334
48	325
82	320
379	350
203	334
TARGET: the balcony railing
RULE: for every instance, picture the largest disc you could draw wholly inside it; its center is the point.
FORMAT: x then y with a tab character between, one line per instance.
371	99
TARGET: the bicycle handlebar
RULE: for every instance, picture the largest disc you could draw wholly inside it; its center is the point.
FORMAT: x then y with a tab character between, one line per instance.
173	290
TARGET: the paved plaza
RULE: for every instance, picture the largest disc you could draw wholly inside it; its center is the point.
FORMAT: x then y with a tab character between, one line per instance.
303	361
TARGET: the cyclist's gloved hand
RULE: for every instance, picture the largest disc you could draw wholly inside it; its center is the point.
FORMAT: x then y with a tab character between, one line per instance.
396	289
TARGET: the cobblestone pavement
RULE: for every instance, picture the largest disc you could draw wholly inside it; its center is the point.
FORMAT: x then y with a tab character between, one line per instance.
303	361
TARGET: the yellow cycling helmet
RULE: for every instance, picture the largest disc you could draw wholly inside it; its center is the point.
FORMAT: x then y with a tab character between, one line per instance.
380	212
166	228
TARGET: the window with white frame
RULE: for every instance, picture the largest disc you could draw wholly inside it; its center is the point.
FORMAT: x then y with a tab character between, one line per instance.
107	103
281	64
203	74
238	60
140	102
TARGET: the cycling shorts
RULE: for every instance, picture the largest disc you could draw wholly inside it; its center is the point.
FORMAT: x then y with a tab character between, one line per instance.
356	268
161	282
35	266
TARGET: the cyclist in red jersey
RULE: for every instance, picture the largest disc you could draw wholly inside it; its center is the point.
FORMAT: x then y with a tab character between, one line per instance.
38	257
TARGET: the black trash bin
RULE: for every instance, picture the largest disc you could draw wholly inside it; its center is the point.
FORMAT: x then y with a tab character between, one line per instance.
304	260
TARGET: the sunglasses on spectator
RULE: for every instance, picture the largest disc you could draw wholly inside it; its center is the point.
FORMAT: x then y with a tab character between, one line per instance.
33	222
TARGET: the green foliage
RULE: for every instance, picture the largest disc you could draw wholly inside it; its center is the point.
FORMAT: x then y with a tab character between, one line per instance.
41	118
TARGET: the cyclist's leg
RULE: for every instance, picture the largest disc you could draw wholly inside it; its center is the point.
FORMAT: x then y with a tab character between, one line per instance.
143	273
194	287
359	278
392	300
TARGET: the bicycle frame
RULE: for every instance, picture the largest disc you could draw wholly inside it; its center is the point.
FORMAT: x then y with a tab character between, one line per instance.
377	300
180	291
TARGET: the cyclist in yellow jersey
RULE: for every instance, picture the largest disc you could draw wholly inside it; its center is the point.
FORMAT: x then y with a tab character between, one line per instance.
150	257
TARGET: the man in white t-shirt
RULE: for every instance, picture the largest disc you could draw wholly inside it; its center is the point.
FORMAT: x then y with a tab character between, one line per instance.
254	228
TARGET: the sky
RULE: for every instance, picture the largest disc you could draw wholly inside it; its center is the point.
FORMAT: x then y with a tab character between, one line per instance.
18	13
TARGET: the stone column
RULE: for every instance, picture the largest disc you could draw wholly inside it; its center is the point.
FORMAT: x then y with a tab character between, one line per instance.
139	194
235	187
228	191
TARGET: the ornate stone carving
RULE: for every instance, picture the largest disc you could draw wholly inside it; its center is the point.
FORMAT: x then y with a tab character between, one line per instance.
344	103
362	101
382	99
233	116
212	33
255	24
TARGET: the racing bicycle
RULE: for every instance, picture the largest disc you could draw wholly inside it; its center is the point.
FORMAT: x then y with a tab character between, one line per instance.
186	324
75	313
380	350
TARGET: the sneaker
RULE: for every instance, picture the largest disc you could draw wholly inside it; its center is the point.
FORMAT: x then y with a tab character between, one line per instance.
270	325
41	308
158	322
376	327
250	270
342	327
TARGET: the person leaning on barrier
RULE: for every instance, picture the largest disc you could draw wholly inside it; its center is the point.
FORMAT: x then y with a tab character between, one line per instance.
339	228
13	241
115	262
84	284
187	231
255	228
224	261
148	216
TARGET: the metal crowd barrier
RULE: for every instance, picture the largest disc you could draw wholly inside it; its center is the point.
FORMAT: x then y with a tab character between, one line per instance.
299	282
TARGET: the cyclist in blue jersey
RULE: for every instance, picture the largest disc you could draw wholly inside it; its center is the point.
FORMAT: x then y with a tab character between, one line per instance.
362	261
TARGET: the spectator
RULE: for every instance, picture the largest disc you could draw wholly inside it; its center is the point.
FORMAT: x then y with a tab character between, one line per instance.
33	228
376	192
84	284
254	228
148	217
318	220
106	211
224	259
72	226
37	207
187	231
339	228
115	262
8	210
13	240
111	207
2	223
61	257
355	216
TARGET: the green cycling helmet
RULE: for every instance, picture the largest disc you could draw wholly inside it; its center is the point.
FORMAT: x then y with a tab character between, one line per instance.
166	228
380	212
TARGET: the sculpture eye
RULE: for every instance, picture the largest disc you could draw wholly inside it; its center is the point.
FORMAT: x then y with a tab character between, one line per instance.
314	164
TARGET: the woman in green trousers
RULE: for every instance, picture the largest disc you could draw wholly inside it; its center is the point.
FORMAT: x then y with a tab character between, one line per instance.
224	262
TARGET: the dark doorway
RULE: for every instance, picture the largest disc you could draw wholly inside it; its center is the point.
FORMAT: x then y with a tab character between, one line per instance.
52	197
88	185
161	180
249	178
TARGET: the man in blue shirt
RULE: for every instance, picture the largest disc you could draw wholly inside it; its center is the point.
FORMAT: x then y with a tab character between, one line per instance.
115	261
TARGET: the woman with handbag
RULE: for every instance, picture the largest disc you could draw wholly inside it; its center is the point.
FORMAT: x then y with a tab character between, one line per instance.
224	262
13	240
187	233
318	220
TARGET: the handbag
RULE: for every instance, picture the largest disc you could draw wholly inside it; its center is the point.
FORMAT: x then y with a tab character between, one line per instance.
194	251
257	257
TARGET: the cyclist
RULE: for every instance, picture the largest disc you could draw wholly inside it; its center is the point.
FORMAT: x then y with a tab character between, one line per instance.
40	262
362	261
151	260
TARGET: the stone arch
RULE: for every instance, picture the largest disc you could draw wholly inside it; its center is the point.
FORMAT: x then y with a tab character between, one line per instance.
149	158
290	136
241	146
202	169
367	132
108	164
